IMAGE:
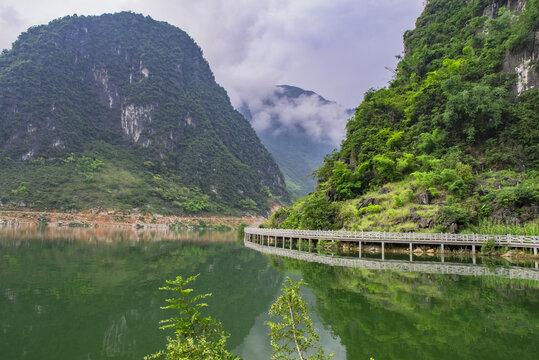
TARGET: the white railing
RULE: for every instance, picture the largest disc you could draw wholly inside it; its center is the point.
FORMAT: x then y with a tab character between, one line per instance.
440	238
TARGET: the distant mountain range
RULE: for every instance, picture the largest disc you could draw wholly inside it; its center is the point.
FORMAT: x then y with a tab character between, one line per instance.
123	111
299	127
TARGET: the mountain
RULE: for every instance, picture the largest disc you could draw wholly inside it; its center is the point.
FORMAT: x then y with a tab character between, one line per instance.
123	111
453	143
298	127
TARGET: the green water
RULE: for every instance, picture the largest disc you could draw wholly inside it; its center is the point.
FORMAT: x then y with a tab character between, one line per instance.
79	295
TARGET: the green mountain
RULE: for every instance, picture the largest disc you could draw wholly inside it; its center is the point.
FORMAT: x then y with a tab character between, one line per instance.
294	129
123	111
452	144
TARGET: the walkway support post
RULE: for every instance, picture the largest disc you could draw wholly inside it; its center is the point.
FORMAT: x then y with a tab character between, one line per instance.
383	246
360	249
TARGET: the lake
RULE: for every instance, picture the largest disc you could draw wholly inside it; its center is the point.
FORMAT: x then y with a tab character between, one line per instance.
93	294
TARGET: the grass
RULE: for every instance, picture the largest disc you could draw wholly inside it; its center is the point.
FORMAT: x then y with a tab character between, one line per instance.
492	228
393	205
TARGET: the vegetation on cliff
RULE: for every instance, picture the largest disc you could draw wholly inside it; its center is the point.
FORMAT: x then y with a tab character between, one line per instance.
123	111
453	141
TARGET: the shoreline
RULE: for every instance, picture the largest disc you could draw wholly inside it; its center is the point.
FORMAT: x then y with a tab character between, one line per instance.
109	218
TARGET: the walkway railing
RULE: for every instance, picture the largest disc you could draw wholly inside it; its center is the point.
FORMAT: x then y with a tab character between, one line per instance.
396	237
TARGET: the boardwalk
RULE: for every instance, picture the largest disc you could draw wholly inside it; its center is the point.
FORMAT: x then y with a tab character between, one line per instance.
295	238
398	265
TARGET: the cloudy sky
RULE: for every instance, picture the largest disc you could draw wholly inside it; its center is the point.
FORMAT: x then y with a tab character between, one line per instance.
337	48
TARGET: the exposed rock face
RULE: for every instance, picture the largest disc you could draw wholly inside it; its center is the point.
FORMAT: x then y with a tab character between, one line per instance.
134	118
522	63
424	198
515	6
366	202
425	223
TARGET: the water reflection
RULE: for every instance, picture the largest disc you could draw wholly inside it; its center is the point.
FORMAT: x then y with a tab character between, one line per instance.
398	315
393	262
110	235
92	294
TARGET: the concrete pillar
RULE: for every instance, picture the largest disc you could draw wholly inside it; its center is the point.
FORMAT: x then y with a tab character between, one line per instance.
290	243
310	244
383	246
474	259
473	250
535	251
411	247
360	249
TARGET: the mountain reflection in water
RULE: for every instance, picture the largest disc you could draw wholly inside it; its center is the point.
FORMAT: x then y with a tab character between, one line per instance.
93	294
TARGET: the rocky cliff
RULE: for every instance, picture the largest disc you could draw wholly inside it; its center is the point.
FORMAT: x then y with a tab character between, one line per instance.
137	95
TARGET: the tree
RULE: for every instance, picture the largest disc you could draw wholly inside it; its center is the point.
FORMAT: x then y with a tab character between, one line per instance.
203	338
196	337
295	333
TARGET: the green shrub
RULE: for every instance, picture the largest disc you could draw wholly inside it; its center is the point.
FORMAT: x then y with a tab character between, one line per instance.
385	168
373	208
453	214
318	212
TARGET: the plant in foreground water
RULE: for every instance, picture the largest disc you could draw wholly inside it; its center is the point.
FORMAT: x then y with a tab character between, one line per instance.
294	335
197	337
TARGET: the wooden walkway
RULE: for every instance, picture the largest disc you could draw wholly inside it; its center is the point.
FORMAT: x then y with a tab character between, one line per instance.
295	238
509	272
